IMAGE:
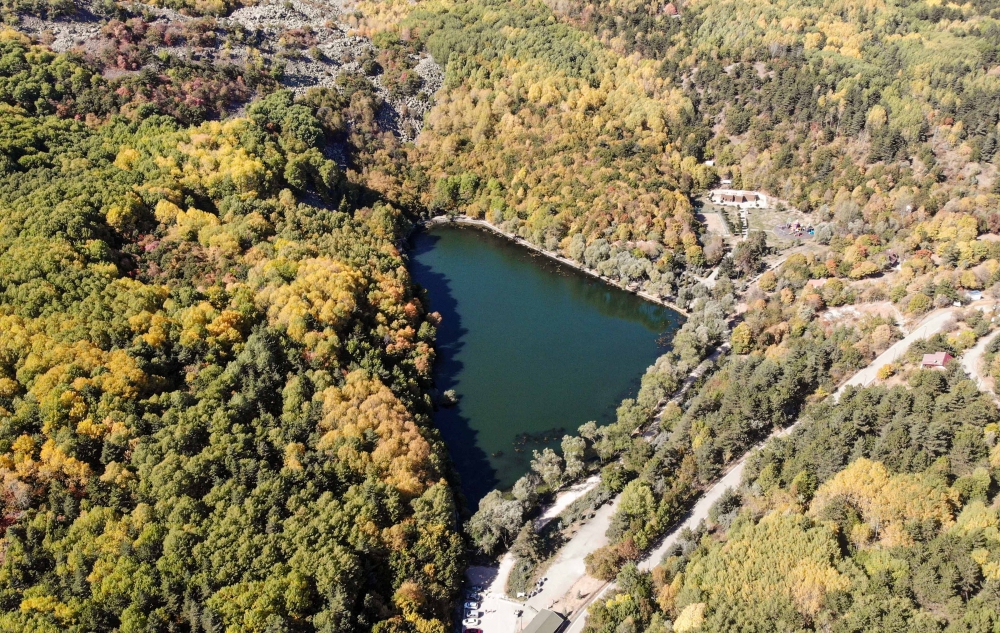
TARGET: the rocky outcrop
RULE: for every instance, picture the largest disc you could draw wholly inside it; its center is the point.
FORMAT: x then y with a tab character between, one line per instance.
329	51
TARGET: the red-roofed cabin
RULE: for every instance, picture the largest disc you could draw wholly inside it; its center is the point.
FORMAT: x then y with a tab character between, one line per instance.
938	359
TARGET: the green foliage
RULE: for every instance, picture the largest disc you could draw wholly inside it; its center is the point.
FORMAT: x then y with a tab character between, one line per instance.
212	394
821	537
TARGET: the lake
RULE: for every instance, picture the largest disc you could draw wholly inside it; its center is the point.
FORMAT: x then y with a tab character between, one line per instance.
533	348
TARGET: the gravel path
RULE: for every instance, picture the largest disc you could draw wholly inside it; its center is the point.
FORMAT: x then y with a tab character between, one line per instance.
500	613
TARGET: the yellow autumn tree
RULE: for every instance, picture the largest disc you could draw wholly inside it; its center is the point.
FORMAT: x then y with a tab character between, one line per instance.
887	501
401	455
317	303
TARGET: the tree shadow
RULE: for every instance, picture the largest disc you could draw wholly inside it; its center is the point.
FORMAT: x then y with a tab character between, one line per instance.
476	474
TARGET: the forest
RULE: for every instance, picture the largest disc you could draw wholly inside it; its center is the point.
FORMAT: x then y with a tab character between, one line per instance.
875	515
213	374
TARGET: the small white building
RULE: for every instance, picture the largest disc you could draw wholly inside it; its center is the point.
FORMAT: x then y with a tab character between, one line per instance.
739	198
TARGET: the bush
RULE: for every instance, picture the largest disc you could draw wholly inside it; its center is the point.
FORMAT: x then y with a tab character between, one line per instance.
886	371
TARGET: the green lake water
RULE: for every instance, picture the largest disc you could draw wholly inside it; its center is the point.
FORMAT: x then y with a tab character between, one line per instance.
533	348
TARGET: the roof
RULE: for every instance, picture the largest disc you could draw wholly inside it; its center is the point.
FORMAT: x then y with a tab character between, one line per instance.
937	359
545	622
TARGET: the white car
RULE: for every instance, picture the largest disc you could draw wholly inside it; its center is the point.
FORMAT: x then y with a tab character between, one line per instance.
472	604
473	613
471	622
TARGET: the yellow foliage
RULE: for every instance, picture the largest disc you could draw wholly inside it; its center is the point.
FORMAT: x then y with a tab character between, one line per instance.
321	297
810	581
886	371
784	555
767	281
217	162
49	605
885	500
970	281
88	428
948	227
977	516
9	388
166	211
126	158
691	618
962	340
188	224
24	445
293	454
54	462
401	454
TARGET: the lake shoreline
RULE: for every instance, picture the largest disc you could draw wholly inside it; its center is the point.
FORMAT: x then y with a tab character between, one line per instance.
520	241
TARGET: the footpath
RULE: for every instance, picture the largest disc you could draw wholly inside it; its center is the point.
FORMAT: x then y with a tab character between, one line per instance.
568	586
971	364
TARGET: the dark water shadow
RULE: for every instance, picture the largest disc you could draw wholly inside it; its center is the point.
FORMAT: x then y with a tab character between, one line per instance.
455	428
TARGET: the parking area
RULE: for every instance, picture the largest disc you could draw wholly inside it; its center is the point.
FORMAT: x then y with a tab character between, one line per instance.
498	613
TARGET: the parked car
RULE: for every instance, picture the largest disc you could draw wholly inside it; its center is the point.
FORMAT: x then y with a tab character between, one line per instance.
472	604
467	622
473	613
473	631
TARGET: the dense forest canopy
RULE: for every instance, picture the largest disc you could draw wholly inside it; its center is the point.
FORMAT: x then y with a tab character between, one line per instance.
876	515
213	377
575	125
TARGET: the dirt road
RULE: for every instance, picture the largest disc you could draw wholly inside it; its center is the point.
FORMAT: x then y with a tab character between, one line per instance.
971	365
932	324
929	326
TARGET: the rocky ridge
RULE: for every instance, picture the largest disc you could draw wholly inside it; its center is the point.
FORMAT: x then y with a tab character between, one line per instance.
264	29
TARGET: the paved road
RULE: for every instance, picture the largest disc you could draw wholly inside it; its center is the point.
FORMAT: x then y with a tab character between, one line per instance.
697	514
568	566
499	611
